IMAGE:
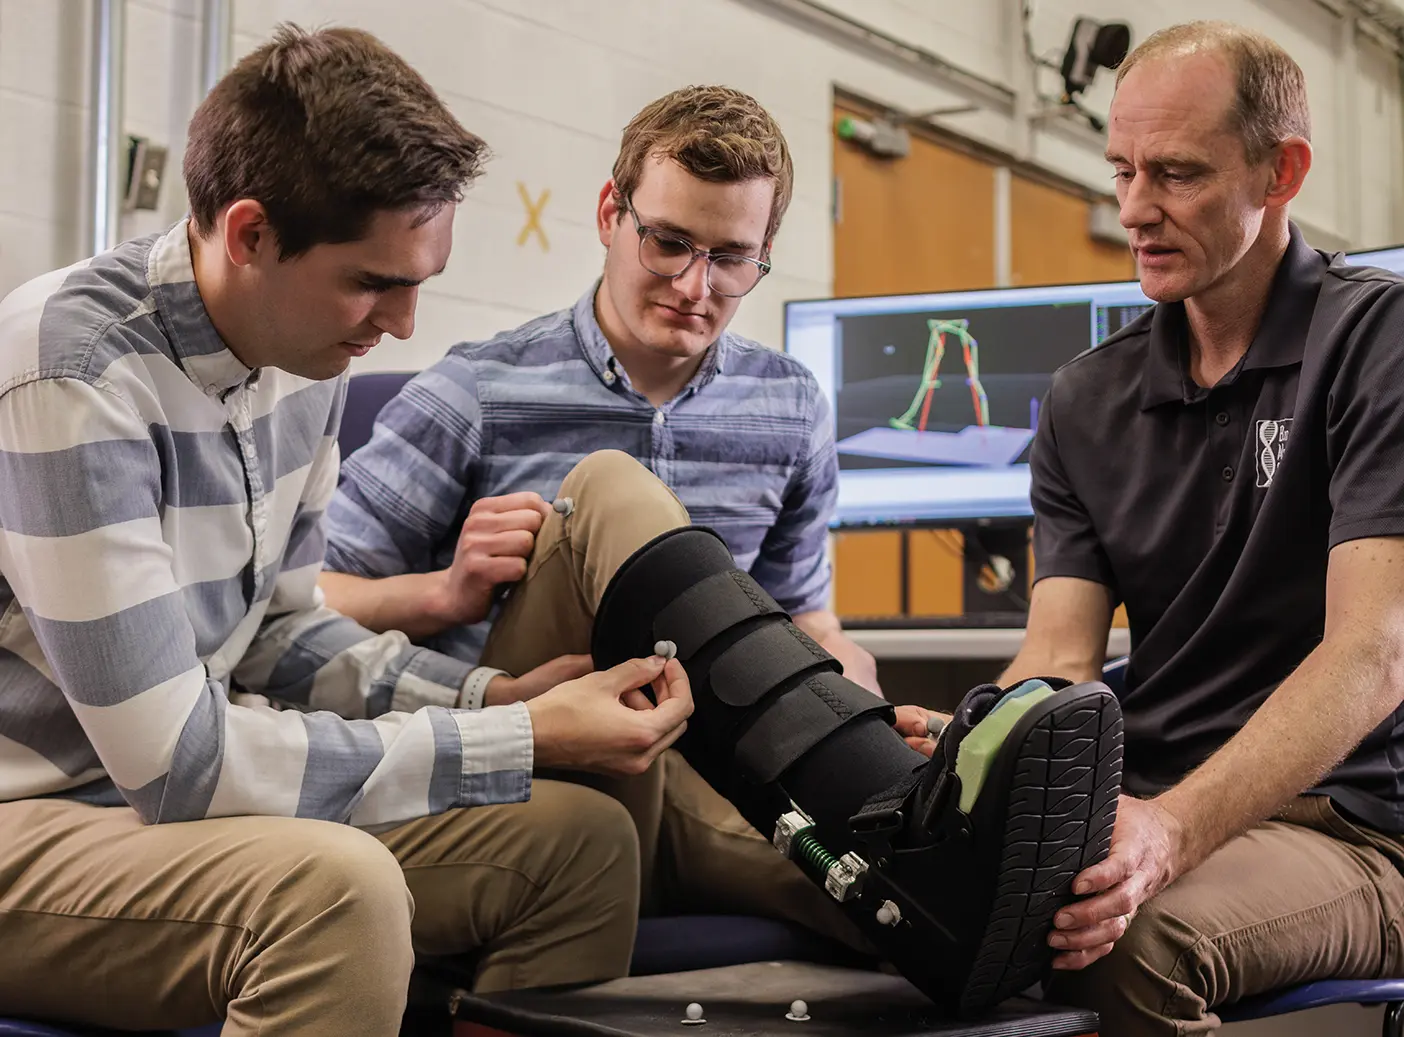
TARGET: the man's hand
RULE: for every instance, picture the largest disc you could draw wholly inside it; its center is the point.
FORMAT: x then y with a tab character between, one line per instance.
502	689
493	547
911	725
602	723
1145	858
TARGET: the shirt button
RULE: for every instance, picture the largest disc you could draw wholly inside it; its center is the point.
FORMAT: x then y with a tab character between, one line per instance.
1227	473
1221	418
608	377
658	418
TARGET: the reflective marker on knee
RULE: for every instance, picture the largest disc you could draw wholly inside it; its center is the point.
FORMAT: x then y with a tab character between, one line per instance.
798	1013
666	649
563	506
693	1016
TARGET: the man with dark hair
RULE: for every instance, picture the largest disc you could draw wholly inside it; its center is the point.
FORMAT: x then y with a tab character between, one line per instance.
168	413
1228	466
443	506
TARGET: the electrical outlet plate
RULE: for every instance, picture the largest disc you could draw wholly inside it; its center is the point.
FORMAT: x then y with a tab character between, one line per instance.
144	174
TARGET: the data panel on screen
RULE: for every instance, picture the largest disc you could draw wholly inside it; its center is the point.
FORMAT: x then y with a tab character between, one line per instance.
935	398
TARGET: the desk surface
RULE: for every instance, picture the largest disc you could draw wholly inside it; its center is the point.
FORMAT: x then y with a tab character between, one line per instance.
957	643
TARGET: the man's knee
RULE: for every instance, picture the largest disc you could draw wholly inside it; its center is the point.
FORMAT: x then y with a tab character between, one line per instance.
590	834
612	478
346	886
1145	977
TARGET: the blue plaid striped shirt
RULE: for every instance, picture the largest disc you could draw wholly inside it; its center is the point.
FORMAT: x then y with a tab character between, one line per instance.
160	541
747	446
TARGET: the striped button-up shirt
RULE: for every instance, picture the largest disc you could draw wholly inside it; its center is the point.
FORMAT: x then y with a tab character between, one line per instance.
747	446
160	540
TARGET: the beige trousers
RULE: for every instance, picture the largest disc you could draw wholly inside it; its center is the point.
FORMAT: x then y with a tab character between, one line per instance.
285	926
1305	896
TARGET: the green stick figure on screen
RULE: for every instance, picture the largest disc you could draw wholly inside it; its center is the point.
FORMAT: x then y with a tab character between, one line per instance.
931	374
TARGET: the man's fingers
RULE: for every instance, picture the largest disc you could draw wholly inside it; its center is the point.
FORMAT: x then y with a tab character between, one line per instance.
672	682
1070	961
672	710
924	745
911	721
524	500
636	699
488	522
511	543
1116	868
632	673
485	570
1114	903
1105	932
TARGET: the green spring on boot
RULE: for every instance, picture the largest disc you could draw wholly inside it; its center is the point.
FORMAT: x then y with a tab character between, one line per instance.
810	854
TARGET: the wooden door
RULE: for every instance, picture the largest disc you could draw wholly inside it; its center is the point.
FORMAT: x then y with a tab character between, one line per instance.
924	223
1050	242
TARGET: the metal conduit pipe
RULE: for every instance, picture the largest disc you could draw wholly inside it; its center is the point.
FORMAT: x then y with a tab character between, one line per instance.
106	147
217	30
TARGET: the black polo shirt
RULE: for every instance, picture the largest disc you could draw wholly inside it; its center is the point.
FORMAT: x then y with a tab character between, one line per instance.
1210	512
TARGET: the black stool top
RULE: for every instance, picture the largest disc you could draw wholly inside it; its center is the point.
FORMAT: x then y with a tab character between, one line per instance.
752	1001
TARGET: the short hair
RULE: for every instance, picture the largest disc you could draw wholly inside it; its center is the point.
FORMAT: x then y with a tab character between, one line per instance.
1270	98
715	133
325	129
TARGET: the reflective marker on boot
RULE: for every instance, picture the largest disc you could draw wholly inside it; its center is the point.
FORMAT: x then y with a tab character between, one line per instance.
798	1013
694	1015
666	649
563	506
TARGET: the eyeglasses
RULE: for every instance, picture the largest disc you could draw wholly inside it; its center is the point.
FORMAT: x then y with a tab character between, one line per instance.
667	255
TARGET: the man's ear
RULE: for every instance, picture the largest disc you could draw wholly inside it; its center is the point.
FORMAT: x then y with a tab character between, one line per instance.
607	213
1291	161
248	236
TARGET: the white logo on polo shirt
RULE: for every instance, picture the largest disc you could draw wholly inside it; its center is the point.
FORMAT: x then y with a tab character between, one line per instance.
1272	445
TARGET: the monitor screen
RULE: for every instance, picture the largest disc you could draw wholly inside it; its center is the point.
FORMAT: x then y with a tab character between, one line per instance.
1391	259
935	397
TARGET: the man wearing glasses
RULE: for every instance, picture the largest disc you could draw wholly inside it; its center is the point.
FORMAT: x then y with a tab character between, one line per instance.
447	502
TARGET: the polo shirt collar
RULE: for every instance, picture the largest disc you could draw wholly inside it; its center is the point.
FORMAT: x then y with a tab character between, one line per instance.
1280	340
202	354
600	355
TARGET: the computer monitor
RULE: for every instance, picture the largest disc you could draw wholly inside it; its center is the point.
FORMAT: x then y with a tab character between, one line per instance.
1391	259
935	397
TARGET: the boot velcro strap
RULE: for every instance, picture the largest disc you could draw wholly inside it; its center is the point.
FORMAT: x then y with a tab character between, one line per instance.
878	813
711	606
798	720
764	659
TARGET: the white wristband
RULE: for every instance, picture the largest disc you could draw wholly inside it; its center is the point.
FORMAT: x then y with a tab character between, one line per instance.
475	687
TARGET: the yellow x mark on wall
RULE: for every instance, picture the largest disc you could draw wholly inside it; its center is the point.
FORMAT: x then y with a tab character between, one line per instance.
533	221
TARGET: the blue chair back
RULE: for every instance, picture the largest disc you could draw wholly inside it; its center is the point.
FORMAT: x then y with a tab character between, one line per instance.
366	394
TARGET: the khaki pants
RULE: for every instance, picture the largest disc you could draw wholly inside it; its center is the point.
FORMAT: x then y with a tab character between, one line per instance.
1305	896
697	853
286	926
